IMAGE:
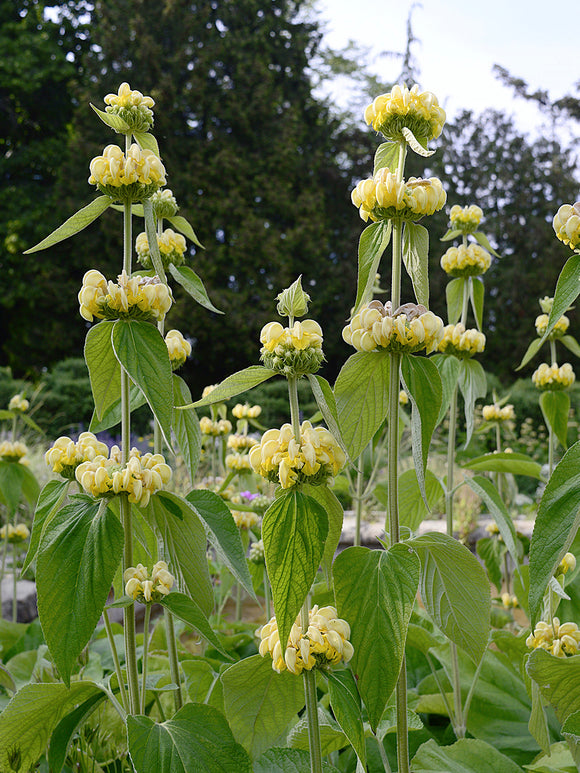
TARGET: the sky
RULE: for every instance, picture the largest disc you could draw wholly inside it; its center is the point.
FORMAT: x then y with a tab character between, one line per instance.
461	40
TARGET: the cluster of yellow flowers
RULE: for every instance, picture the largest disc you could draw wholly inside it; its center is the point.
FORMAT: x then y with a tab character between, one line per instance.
465	219
132	107
409	328
552	377
12	452
256	552
559	328
241	442
141	477
560	639
282	459
238	462
382	196
568	563
246	411
508	601
178	347
566	224
461	342
172	248
144	588
132	178
403	397
492	528
472	260
164	204
215	428
15	534
64	456
136	297
292	351
496	413
245	519
18	403
402	107
324	643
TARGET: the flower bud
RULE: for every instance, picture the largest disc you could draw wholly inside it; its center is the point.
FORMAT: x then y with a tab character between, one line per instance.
293	302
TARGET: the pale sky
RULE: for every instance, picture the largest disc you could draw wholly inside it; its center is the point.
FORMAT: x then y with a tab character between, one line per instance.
461	40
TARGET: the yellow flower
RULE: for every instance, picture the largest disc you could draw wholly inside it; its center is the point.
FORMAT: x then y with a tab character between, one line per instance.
171	245
245	519
215	428
238	462
241	442
325	643
282	459
461	342
246	411
64	456
403	397
496	413
15	534
508	601
132	107
552	377
492	528
401	107
560	639
382	197
135	297
465	219
559	328
567	563
178	347
132	178
12	452
410	328
292	351
472	260
145	588
566	224
18	403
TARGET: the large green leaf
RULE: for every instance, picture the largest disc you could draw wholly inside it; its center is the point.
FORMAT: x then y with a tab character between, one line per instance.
492	553
375	591
185	540
186	427
423	385
473	387
506	461
64	732
448	367
189	611
49	502
222	533
454	294
326	402
558	760
192	284
78	556
30	718
141	350
416	259
235	384
74	224
259	703
197	738
555	526
555	409
333	509
455	591
488	493
567	290
412	507
331	736
346	706
373	242
17	482
147	142
558	680
362	398
294	530
281	760
465	756
103	366
387	156
183	226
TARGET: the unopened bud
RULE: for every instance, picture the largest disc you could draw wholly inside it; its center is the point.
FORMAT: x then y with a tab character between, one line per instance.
293	302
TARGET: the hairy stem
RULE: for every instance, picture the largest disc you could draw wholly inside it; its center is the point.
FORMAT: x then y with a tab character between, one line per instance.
146	623
115	656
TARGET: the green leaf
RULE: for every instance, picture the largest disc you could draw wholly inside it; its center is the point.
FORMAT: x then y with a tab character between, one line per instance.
17	481
259	703
517	464
192	284
74	224
63	733
558	680
326	402
113	121
465	756
555	526
571	726
455	591
454	294
484	241
416	259
333	509
387	157
151	232
77	560
477	294
223	534
103	366
278	760
372	243
346	707
531	351
294	530
492	552
147	142
112	415
30	718
186	427
332	738
448	367
49	502
375	591
538	723
185	540
362	398
555	409
490	496
473	387
567	290
235	384
183	226
141	350
451	234
423	385
415	144
571	343
558	760
196	738
412	507
188	610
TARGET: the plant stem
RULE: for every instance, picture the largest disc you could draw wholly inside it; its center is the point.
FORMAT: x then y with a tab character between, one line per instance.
14	585
115	655
145	654
238	602
383	755
311	698
457	701
173	659
449	492
358	498
294	406
267	593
